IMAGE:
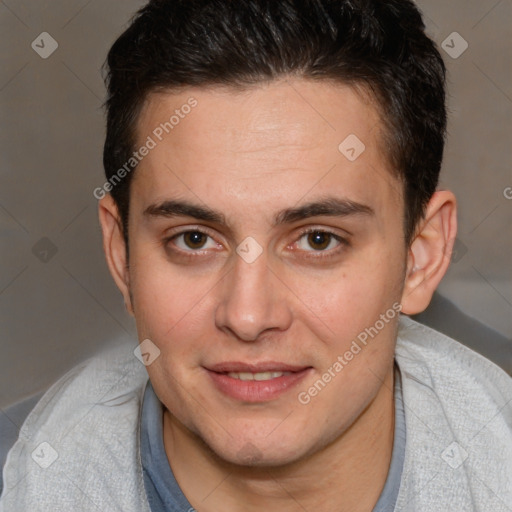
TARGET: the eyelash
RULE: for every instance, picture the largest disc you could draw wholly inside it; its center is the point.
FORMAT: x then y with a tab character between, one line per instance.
343	243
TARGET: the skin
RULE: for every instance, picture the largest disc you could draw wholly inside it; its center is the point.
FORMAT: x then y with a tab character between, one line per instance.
249	155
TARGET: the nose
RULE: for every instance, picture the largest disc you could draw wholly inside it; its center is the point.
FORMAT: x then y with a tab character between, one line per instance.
252	300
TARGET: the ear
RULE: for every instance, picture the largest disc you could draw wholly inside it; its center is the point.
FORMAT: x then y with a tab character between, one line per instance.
430	252
114	247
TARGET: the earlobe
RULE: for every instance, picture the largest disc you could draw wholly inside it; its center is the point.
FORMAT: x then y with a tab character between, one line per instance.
430	252
114	246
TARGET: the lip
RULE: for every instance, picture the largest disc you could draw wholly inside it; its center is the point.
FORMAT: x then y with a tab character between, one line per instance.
263	366
253	391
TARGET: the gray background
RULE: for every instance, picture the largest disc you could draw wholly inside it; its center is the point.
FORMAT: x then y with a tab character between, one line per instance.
58	303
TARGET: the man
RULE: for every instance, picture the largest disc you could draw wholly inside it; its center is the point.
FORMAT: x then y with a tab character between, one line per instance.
270	217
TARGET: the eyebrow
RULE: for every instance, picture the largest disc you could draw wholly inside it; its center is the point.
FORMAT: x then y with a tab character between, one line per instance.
329	206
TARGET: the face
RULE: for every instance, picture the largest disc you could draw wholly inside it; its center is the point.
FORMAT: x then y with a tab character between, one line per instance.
260	250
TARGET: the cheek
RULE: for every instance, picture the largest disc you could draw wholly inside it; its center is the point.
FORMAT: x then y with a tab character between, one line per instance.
171	312
167	302
337	305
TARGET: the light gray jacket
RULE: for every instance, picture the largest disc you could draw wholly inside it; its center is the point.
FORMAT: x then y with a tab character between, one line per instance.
78	450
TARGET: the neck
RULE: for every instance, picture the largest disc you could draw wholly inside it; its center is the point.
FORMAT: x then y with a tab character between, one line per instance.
346	475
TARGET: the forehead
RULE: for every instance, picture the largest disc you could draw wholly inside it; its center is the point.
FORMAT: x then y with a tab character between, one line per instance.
290	137
266	115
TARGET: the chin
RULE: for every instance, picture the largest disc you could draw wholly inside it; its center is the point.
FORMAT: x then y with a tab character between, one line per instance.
252	456
260	452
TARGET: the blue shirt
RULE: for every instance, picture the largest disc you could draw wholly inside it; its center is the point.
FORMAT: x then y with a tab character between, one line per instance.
164	493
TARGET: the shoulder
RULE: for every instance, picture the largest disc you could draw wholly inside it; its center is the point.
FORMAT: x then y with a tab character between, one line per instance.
458	409
431	355
88	391
79	444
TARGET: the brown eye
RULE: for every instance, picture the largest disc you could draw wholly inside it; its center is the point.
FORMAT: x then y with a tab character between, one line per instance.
191	241
319	240
320	243
194	239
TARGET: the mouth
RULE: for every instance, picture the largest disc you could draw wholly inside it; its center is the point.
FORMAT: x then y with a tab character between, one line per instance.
255	383
256	376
